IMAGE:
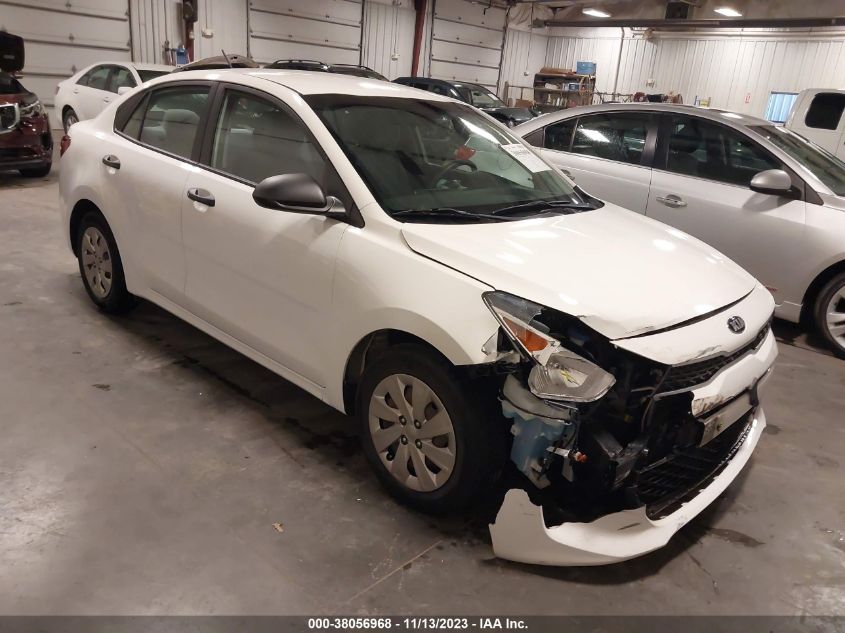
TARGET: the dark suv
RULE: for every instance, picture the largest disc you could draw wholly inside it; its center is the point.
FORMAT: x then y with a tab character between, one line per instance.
341	69
25	140
473	94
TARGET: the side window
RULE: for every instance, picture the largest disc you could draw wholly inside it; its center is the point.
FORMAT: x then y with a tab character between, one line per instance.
121	78
618	136
172	118
535	138
559	135
715	152
438	89
97	77
254	139
825	111
132	127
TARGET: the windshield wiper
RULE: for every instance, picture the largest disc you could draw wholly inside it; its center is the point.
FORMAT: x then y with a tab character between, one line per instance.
443	212
544	204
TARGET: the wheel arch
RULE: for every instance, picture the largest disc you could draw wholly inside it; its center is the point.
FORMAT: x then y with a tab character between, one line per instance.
812	292
81	207
367	349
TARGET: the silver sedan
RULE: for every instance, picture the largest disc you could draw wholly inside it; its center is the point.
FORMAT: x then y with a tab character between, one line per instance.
766	197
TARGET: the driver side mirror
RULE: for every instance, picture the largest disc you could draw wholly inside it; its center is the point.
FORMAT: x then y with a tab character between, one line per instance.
297	193
775	182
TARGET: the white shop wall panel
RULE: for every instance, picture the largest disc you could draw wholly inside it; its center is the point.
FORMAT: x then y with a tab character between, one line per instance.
739	73
466	42
635	66
388	32
324	30
154	23
62	38
226	19
523	56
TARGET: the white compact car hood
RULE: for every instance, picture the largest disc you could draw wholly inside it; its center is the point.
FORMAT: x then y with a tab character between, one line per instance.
619	272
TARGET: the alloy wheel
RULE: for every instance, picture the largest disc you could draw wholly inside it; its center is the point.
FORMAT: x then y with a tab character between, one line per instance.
835	317
96	262
412	433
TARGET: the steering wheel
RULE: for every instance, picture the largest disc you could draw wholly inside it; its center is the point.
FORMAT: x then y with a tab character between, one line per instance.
451	166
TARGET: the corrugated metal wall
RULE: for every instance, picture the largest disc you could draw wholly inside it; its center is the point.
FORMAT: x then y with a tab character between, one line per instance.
388	38
62	38
735	70
740	72
523	56
154	23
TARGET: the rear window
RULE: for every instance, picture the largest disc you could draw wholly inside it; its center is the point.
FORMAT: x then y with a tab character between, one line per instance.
825	111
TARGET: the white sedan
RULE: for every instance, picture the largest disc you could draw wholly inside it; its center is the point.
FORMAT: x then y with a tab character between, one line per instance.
88	92
768	198
409	261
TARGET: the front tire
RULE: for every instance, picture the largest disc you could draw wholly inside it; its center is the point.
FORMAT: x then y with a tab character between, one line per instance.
830	314
37	172
100	265
433	439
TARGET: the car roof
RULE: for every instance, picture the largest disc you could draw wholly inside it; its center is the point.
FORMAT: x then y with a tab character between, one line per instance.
714	114
161	67
307	82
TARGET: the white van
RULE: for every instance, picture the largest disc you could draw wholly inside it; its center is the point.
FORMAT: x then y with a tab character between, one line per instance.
818	115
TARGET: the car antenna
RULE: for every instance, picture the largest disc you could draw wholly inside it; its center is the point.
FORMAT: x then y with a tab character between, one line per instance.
226	57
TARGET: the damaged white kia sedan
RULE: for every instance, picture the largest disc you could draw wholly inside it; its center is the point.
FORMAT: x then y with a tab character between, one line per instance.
411	262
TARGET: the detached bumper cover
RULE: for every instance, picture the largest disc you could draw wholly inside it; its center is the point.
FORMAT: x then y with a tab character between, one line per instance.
519	533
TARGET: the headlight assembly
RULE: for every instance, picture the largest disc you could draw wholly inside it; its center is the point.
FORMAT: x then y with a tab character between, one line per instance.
31	110
558	372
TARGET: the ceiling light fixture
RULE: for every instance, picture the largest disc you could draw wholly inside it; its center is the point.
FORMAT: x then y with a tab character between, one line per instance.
728	12
596	13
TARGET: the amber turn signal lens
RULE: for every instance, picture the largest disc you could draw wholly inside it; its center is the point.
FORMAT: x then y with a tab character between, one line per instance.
532	341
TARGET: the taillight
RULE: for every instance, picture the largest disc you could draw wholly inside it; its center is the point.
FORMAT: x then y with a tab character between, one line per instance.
64	145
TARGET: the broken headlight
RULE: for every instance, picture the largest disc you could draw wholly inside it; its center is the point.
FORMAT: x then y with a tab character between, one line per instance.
558	373
31	109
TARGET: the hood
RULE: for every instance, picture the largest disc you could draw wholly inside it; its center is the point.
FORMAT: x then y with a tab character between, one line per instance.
619	272
23	98
519	115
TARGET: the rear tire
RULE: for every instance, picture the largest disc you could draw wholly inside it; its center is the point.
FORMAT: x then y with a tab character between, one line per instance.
829	314
37	172
69	118
100	265
433	439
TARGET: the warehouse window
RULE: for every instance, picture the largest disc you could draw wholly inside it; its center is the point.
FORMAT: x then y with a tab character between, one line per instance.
779	105
618	137
825	110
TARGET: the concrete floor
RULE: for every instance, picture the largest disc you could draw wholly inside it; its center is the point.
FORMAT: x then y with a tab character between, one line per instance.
143	466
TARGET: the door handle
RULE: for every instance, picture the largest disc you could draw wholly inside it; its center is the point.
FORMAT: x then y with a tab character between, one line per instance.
566	172
106	99
111	161
672	201
202	196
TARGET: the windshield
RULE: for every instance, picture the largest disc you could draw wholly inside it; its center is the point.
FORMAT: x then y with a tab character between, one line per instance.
479	97
440	156
816	160
10	86
146	75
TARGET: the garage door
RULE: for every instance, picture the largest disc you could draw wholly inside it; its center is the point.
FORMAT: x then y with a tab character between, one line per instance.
63	37
323	30
466	42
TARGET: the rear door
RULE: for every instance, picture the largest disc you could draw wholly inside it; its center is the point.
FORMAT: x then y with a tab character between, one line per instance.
261	275
608	155
700	185
146	171
92	90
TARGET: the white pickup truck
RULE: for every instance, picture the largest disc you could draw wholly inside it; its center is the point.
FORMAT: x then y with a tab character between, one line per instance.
819	115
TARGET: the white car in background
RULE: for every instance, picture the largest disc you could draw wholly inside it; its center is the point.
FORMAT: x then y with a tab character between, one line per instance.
819	115
409	261
764	196
88	92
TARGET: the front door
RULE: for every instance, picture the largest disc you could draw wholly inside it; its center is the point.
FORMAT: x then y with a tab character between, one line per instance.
700	185
262	276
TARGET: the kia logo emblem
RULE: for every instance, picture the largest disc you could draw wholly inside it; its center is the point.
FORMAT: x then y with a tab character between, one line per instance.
736	325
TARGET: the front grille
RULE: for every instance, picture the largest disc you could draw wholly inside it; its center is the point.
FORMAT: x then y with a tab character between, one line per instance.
672	481
687	376
8	116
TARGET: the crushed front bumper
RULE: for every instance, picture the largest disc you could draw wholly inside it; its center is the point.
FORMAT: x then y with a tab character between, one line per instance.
729	398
